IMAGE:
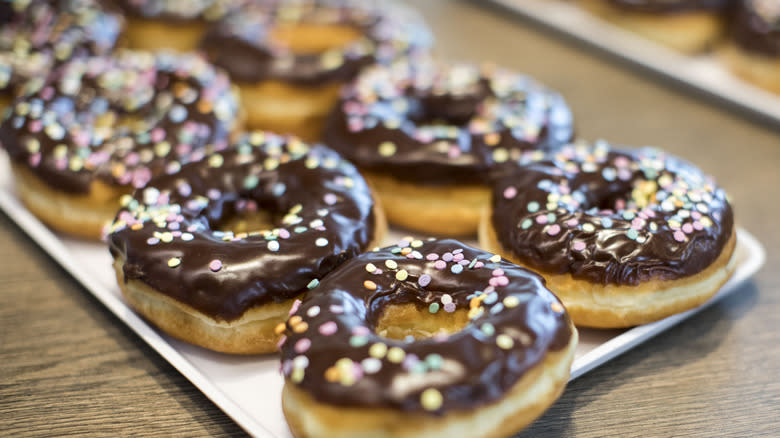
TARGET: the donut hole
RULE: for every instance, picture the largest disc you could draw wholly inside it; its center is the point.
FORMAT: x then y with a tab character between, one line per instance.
243	216
313	38
447	109
400	321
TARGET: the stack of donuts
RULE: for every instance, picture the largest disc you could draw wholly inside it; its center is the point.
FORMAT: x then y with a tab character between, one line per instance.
744	33
230	232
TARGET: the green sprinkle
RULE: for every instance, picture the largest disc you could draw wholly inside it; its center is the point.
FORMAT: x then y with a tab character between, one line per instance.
312	284
433	308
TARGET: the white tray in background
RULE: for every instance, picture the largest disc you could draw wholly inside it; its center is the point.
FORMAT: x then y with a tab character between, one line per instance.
248	389
702	72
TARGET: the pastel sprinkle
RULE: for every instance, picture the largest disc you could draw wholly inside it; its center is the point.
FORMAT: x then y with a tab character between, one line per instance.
401	275
431	399
215	265
174	262
328	328
312	284
424	280
505	341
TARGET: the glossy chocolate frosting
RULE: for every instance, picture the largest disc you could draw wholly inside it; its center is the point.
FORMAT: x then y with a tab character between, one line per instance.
332	350
669	6
611	216
241	45
169	233
756	26
444	124
119	119
37	35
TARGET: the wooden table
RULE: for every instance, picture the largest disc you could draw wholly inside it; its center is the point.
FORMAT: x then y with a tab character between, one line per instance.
68	366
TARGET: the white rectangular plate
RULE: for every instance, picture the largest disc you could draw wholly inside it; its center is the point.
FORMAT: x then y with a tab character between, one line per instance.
248	389
702	72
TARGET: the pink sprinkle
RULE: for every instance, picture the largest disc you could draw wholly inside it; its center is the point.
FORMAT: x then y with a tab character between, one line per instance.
447	257
449	307
157	135
302	345
35	159
440	264
281	342
361	331
679	236
572	222
554	229
510	192
541	219
335	308
493	281
479	265
432	257
47	93
497	272
698	226
453	152
457	257
696	215
687	228
295	306
502	280
328	328
330	199
215	265
284	234
35	126
578	245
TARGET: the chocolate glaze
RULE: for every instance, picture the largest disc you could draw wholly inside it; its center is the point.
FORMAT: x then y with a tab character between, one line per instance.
756	26
37	35
240	43
612	216
72	128
334	327
321	206
444	124
669	6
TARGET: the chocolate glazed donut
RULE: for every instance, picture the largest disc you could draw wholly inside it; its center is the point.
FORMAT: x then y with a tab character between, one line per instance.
227	289
289	58
623	237
493	346
753	51
37	35
430	136
98	127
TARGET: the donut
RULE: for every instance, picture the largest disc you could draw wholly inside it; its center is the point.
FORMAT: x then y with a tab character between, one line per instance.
424	339
623	237
37	35
289	58
171	24
753	50
689	26
216	253
99	127
430	136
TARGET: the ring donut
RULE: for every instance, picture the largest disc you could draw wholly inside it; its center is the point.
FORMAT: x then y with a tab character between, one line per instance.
430	136
289	58
187	260
623	237
37	35
424	339
100	126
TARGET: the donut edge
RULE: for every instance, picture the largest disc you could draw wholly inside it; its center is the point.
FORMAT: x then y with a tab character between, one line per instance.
538	389
619	306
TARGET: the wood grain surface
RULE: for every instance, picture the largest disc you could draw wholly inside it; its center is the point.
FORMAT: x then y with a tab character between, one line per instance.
68	367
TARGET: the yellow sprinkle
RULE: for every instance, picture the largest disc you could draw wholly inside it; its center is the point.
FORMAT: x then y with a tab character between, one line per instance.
174	262
300	328
496	258
370	285
505	341
370	268
297	375
396	355
431	399
391	264
280	328
511	301
401	275
387	149
378	350
295	319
